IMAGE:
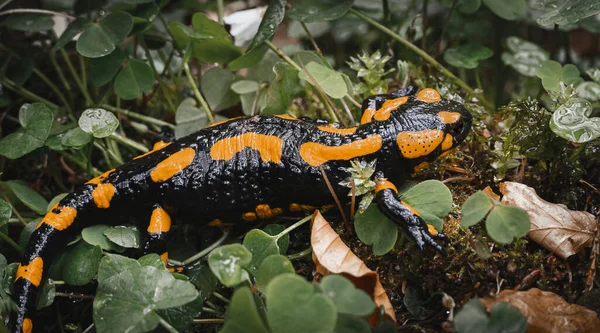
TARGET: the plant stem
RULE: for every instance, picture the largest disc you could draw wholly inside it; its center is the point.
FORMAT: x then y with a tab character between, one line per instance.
208	321
221	297
128	142
36	11
161	83
301	254
86	94
310	37
61	75
197	93
11	242
26	93
422	54
220	11
137	116
166	325
204	252
282	55
294	226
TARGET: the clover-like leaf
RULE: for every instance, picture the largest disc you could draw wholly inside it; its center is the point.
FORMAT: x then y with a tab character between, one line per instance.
467	56
72	30
261	245
98	122
94	235
503	318
295	307
374	228
319	10
431	196
271	267
76	138
36	120
218	47
284	88
572	121
523	56
104	69
347	298
136	78
244	315
475	209
505	223
552	74
125	236
81	264
100	39
330	81
27	196
227	263
189	118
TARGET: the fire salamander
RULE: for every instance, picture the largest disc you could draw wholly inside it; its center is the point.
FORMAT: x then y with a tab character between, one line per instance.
253	168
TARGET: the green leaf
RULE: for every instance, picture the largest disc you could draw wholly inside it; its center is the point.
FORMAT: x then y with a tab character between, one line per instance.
329	80
104	69
523	56
271	267
589	90
218	47
72	30
100	39
467	56
202	277
284	88
552	73
20	71
429	196
572	121
27	232
507	9
475	209
27	196
94	235
55	200
36	120
47	294
295	307
471	318
271	20
568	12
228	262
347	298
504	223
181	317
98	122
216	87
152	260
245	86
261	245
468	6
347	323
112	264
5	212
374	228
128	299
189	118
249	59
81	264
243	314
319	10
136	78
76	138
125	236
29	22
276	229
503	318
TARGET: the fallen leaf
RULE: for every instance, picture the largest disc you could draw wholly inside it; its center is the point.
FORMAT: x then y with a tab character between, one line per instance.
332	256
547	312
553	226
490	193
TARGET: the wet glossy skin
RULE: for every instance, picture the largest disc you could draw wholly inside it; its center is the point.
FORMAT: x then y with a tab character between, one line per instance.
254	168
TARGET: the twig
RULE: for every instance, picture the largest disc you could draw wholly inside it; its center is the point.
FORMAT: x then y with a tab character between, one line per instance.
208	321
335	197
457	179
137	116
310	37
199	97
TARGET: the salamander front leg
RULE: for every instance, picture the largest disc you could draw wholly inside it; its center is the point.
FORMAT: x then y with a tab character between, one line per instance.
158	230
404	215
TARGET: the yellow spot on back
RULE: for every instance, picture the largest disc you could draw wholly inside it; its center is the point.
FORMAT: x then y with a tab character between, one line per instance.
27	325
418	144
269	146
429	95
100	178
31	272
222	122
432	230
316	154
265	212
447	143
388	106
448	117
384	184
103	194
341	131
367	116
160	221
285	116
172	165
249	217
157	146
215	223
61	220
420	166
412	210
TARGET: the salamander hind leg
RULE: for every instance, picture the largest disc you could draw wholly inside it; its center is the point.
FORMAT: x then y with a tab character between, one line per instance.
158	230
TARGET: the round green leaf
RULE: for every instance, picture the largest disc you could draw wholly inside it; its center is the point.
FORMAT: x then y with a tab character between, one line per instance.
475	209
104	69
81	264
295	307
552	73
189	118
249	59
72	30
5	212
47	294
284	88
347	298
216	87
271	267
27	196
100	39
29	22
329	80
218	47
374	228
284	241
244	86
243	315
136	78
261	245
98	122
36	120
319	10
471	318
76	138
227	263
506	318
523	56
128	299
125	236
347	323
429	196
151	259
504	223
572	121
94	235
507	9
202	277
467	56
27	232
271	20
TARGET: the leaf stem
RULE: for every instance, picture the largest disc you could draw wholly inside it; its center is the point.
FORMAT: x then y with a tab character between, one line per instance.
208	321
294	226
11	242
82	88
137	116
161	83
26	93
301	254
199	97
128	142
422	54
310	37
221	297
220	11
166	325
202	253
282	55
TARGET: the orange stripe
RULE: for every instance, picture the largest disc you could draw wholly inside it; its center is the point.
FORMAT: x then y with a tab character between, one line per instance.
285	116
27	325
420	166
100	178
367	116
429	95
412	210
61	220
341	131
388	106
384	184
160	221
269	146
417	144
103	194
316	154
164	257
31	272
223	122
447	143
172	165
449	117
157	146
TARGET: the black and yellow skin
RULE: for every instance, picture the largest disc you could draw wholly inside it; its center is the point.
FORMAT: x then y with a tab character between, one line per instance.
253	168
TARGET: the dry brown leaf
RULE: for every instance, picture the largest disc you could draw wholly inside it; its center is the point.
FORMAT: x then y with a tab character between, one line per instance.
548	312
553	226
490	193
332	256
